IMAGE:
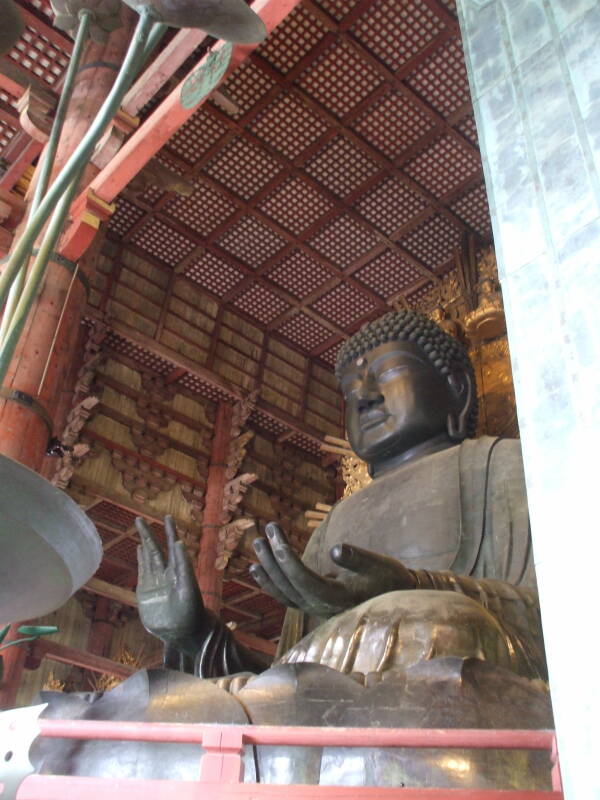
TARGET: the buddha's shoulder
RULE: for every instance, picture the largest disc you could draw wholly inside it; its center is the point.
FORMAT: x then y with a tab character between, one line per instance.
502	458
495	448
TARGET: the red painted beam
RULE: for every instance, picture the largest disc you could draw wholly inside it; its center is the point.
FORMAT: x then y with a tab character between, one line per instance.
28	154
53	787
161	69
304	736
10	86
224	744
150	137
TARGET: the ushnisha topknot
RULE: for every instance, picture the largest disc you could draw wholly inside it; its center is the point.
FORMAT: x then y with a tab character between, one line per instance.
443	350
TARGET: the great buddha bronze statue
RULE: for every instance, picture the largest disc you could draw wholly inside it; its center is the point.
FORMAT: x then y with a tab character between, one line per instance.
414	604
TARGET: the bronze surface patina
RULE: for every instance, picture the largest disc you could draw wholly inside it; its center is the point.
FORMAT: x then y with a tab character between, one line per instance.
414	604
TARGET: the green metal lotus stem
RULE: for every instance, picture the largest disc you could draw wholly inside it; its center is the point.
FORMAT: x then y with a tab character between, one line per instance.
60	195
45	168
32	632
156	34
85	16
84	150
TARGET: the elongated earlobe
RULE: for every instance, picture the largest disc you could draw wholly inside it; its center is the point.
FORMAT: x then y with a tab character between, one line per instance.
462	388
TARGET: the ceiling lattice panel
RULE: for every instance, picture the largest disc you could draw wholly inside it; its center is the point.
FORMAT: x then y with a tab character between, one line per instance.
395	32
295	205
336	181
388	203
356	79
304	331
214	274
387	270
251	241
299	274
260	303
442	79
39	56
205	210
343	173
343	304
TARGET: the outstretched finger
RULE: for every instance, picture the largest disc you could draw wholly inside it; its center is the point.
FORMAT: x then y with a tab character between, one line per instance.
358	560
149	546
275	535
265	583
182	564
306	583
171	534
271	567
142	568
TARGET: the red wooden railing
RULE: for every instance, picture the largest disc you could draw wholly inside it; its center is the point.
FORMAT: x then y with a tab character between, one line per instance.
221	766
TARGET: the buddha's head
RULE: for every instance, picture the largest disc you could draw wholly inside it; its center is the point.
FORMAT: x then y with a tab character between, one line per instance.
409	389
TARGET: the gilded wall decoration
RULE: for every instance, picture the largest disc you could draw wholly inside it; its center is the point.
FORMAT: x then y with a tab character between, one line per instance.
73	451
355	474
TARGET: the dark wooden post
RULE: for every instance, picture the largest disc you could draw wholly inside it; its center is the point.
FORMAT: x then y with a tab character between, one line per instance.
209	577
101	629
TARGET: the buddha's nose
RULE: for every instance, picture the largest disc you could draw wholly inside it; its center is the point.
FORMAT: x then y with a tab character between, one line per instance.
368	394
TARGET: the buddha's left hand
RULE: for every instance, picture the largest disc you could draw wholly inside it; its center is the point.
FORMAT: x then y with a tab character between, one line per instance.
282	574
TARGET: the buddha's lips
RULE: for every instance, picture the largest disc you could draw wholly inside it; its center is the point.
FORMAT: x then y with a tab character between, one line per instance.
370	419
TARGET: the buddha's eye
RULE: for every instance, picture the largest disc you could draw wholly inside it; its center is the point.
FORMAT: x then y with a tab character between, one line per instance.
349	389
390	373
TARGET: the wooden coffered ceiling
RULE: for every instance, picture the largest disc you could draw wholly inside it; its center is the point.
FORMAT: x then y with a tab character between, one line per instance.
334	182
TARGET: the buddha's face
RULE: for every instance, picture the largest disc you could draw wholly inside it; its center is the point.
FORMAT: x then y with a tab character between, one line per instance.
395	400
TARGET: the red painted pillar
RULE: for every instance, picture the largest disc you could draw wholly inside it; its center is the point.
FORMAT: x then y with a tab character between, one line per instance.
209	577
27	419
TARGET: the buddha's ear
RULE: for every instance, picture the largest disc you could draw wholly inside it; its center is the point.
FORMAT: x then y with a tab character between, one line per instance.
460	382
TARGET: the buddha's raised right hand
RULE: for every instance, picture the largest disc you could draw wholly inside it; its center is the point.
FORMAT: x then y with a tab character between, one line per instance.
169	599
366	574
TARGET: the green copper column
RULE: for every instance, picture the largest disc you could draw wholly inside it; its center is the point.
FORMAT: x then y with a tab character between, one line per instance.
535	76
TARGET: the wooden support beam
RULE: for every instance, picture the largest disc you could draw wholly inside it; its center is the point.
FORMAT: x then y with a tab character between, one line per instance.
92	488
45	648
111	592
179	360
101	629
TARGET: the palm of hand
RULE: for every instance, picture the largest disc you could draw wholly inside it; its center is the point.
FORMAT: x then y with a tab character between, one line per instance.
282	574
170	604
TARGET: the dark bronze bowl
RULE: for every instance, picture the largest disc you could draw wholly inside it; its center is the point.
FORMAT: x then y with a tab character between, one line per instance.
48	546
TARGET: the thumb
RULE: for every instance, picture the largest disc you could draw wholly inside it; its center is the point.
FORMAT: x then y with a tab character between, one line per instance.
355	558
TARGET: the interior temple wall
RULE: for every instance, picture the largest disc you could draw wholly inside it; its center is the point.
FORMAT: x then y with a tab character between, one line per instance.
150	306
144	449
